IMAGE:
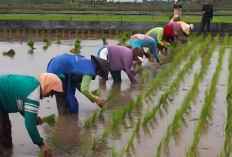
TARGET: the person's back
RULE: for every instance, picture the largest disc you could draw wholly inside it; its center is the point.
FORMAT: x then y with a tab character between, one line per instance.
120	57
16	88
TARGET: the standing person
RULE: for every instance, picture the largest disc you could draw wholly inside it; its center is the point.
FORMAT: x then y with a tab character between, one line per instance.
121	58
76	71
20	93
207	16
142	40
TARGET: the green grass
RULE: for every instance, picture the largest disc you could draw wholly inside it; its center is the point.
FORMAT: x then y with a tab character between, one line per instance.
128	18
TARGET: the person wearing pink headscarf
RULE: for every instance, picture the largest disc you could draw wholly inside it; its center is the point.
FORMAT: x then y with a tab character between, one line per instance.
19	93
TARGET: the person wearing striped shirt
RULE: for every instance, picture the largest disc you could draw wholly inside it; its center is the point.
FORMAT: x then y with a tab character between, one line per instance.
19	93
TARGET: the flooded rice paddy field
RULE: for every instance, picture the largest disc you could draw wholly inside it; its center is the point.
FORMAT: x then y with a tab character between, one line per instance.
110	132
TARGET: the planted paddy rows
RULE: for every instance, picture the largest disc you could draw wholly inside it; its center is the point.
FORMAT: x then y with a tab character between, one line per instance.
119	116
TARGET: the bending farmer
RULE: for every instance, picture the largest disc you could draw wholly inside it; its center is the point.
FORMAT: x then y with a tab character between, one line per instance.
21	94
76	71
121	58
141	40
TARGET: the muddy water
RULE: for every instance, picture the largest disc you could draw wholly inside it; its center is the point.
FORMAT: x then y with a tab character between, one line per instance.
70	127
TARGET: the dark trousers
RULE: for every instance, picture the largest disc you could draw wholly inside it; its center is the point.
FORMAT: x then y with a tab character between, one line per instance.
5	131
66	101
205	22
116	75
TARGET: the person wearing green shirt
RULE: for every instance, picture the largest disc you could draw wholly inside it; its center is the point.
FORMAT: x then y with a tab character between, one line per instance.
19	93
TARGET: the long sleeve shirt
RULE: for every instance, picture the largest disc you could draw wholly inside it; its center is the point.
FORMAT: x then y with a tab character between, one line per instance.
121	58
146	43
157	33
22	94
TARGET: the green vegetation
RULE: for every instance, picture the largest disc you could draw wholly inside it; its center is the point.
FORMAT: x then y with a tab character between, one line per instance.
97	113
48	43
77	47
51	120
58	36
104	41
206	111
173	128
9	53
227	147
125	36
126	18
30	43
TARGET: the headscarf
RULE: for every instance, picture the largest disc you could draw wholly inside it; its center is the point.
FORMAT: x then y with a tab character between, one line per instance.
48	82
187	27
168	32
137	52
140	37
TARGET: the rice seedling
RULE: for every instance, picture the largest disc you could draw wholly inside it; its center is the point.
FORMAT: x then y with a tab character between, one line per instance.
143	72
45	39
30	43
50	120
41	154
227	146
113	152
210	94
172	129
53	137
77	47
104	41
130	142
125	36
85	144
58	36
97	113
9	53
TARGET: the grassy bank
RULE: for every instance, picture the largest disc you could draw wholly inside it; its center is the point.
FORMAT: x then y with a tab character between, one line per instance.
125	18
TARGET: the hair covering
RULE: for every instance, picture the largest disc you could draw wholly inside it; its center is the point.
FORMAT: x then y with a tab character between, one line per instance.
137	52
168	32
49	82
187	27
140	36
101	67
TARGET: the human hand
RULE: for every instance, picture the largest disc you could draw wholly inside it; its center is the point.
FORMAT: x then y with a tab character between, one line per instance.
46	151
39	120
99	102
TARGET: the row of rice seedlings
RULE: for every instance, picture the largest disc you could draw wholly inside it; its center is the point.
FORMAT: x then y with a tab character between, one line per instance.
97	113
134	134
206	111
162	76
163	99
119	114
227	147
172	129
176	82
